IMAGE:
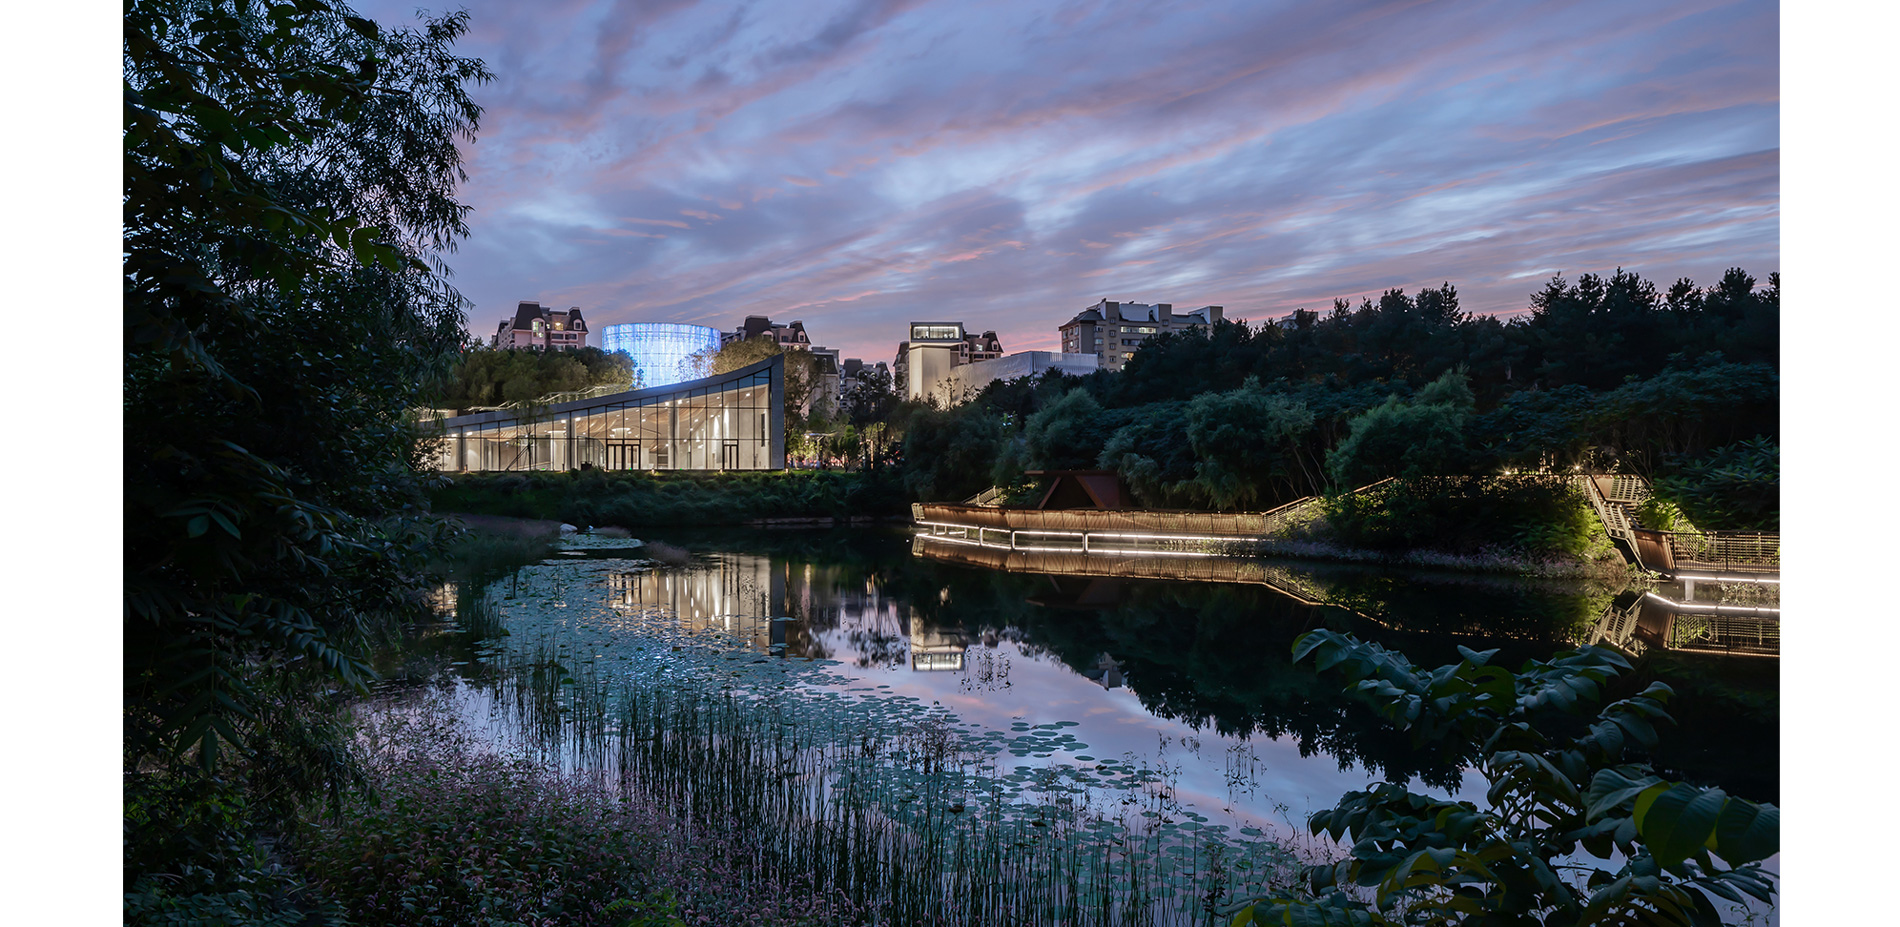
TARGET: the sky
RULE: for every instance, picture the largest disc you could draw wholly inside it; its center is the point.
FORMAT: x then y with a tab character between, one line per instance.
858	164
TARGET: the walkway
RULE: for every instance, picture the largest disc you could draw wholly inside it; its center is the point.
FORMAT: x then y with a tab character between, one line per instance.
1744	556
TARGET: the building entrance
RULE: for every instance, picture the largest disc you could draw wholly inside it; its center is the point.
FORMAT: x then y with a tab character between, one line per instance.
623	455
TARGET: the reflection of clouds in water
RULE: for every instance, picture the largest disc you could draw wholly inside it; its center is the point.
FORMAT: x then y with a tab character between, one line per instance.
995	680
1269	783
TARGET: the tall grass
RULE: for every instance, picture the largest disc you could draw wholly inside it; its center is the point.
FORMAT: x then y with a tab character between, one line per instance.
912	819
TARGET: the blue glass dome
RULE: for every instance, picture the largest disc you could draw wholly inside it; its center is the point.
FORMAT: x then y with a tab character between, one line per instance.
661	351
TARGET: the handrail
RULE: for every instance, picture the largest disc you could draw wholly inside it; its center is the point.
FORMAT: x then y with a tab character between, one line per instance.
987	498
1720	551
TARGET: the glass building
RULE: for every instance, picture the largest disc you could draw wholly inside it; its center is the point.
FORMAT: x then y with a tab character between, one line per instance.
731	421
661	351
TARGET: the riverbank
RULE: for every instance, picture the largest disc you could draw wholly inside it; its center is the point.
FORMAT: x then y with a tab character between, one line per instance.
679	498
1611	569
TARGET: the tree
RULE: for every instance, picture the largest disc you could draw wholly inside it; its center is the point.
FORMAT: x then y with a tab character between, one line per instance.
1423	436
1560	782
1246	440
1066	435
949	453
804	373
289	182
484	377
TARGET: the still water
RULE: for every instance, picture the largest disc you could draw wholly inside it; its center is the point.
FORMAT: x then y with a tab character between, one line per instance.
1188	681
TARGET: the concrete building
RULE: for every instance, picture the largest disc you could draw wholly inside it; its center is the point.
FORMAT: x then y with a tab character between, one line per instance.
966	380
534	326
925	361
1115	330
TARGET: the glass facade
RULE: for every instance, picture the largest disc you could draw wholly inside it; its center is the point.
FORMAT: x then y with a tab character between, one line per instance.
733	421
936	331
661	351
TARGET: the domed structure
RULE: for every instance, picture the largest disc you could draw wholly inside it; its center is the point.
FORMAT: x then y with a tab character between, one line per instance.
661	351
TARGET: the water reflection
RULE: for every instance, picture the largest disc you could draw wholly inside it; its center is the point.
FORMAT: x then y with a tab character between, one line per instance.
1209	655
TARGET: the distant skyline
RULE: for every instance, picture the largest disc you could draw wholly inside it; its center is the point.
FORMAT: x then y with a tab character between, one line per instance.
857	165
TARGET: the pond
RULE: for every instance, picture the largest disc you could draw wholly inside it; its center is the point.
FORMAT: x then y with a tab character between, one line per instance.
1035	700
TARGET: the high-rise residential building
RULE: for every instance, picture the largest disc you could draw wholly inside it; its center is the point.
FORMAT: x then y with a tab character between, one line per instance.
1115	330
535	326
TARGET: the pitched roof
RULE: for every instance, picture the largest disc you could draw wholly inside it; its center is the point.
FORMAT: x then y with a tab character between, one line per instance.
526	313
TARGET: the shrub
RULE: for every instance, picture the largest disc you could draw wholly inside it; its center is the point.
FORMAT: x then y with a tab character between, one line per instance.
1560	782
1535	515
1735	488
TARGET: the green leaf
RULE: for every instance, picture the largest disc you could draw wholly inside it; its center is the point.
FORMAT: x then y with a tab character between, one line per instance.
1677	823
1747	832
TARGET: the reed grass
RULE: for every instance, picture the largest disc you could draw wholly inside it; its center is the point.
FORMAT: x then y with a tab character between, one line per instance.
901	810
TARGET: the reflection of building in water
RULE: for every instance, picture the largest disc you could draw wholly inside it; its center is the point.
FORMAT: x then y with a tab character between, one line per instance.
934	650
734	594
442	600
811	610
1652	620
1106	672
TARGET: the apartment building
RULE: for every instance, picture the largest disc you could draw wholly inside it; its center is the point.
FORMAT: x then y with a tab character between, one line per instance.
536	326
790	337
1115	330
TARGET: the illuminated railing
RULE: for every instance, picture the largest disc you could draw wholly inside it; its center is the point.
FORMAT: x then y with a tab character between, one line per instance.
1725	551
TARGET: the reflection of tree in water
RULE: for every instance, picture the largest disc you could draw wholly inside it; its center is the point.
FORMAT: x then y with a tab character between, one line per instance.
1218	655
986	669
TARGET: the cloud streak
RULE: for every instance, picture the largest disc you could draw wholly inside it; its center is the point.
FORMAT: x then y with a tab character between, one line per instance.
856	164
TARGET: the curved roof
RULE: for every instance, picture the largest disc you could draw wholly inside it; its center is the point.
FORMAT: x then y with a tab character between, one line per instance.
775	364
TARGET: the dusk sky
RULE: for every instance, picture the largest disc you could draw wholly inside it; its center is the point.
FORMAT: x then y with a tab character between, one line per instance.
858	164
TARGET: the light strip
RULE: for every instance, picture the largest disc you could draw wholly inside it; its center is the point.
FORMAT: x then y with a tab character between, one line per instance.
1067	550
1728	579
1094	534
1698	607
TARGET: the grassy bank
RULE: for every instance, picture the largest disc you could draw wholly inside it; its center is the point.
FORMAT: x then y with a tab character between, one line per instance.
462	835
633	499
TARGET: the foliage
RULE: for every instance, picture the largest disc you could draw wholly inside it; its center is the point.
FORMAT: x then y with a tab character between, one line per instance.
1537	515
288	181
1153	454
1733	488
1066	434
289	171
949	453
635	499
1422	437
192	857
491	377
1686	410
1659	514
1244	442
1561	781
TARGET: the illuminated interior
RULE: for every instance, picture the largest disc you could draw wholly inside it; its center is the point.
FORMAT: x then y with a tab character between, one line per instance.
662	351
733	421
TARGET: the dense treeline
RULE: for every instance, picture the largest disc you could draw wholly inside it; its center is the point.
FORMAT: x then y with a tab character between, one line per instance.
483	377
1604	373
289	175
